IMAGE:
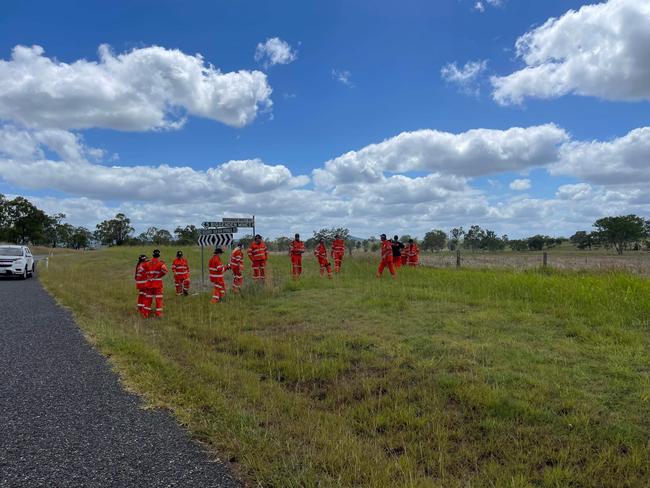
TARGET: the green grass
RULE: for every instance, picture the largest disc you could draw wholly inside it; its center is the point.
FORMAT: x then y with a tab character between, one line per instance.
442	378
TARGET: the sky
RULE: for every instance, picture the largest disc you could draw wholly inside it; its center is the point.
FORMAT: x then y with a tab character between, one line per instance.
520	116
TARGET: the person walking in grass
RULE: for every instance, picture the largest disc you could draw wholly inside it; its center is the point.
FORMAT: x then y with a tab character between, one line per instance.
141	282
397	248
181	270
321	254
237	267
296	250
156	269
217	269
412	253
338	251
386	257
258	254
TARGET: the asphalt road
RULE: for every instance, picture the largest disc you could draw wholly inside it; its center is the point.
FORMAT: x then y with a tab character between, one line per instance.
66	421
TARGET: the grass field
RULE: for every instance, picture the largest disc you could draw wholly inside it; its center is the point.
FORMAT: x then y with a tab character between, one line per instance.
442	378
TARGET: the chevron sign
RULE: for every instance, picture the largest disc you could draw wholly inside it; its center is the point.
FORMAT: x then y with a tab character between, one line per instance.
215	240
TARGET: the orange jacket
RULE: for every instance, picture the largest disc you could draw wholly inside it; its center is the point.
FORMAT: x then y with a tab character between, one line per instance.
386	250
321	253
296	248
237	259
258	252
338	247
181	268
141	275
412	252
156	269
216	269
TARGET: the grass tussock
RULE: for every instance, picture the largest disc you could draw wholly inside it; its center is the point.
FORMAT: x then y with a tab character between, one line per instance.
442	378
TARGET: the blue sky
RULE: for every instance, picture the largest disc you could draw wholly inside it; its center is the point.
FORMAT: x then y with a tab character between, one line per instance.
393	55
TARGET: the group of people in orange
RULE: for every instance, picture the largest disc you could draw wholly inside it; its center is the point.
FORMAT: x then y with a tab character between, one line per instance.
149	273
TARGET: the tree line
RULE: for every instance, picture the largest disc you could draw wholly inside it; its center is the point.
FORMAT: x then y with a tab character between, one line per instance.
22	222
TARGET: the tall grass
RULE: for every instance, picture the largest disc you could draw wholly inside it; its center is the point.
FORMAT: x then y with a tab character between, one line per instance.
440	378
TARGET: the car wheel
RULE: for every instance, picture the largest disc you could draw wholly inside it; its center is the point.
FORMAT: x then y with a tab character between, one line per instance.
24	275
31	273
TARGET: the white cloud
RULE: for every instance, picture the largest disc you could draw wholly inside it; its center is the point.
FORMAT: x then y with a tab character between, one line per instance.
520	184
579	191
466	77
144	89
601	50
472	153
625	160
274	51
481	4
342	76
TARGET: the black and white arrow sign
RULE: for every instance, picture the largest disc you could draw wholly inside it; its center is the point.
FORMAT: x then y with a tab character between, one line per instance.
215	240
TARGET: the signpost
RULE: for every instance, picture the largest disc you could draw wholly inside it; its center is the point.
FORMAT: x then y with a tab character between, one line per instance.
220	233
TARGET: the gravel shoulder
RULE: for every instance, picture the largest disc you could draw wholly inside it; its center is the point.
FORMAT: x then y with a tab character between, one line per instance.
65	420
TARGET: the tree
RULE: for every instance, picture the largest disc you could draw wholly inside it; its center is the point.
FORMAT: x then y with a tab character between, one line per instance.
246	240
24	222
114	232
536	242
55	232
148	235
282	244
405	238
583	240
434	240
518	244
455	238
162	237
186	235
80	238
620	231
492	242
328	234
473	238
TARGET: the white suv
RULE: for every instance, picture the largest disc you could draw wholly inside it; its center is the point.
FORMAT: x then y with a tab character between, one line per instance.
16	260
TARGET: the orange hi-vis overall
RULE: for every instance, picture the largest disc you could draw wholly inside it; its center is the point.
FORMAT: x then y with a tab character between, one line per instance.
217	270
141	285
321	254
386	258
296	250
237	268
258	254
181	271
338	251
156	269
412	254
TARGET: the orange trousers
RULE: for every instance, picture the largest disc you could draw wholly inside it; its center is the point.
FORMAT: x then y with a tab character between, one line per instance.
296	266
142	296
153	299
386	263
338	260
182	283
237	278
325	265
259	270
219	290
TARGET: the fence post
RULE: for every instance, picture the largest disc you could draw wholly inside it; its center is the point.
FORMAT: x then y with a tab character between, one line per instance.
545	259
202	270
458	258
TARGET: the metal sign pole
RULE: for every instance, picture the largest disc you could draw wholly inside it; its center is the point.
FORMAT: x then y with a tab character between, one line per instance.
202	268
254	234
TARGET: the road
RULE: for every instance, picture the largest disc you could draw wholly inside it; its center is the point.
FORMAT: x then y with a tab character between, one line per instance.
66	421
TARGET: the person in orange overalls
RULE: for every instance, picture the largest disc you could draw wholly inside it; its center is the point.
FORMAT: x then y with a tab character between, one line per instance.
321	253
412	253
155	269
296	250
217	269
258	254
181	270
237	267
338	251
141	282
386	257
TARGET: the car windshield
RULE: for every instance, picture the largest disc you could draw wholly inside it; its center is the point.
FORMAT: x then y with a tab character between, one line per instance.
11	251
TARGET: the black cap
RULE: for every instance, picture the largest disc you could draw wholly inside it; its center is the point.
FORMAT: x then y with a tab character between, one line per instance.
410	241
156	253
142	257
297	236
218	250
382	237
240	244
396	238
257	236
179	253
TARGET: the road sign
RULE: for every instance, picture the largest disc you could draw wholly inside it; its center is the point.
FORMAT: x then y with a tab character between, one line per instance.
212	224
218	230
239	221
215	240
